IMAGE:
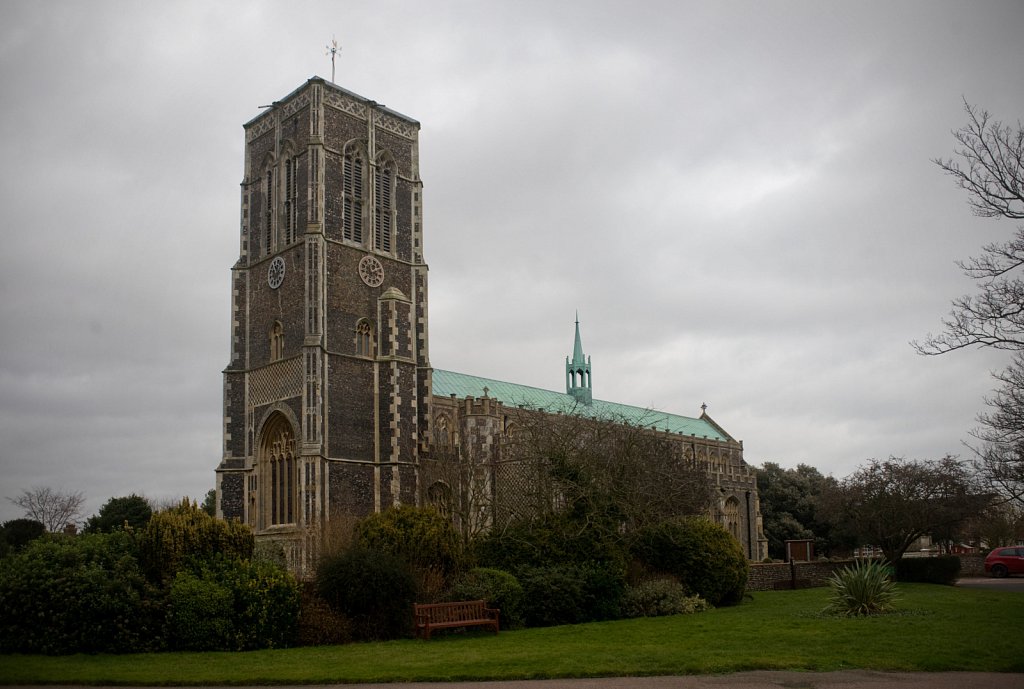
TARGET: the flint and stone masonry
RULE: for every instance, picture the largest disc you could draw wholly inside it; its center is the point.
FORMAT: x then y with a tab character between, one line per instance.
331	408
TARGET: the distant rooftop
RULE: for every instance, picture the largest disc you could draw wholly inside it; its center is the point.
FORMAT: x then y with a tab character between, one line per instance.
447	383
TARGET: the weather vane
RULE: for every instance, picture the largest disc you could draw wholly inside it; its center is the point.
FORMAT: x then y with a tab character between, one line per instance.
332	50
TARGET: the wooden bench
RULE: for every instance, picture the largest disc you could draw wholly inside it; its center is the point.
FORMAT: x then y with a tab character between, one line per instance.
472	613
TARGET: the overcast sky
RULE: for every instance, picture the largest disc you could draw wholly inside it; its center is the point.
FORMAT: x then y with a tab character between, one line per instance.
737	197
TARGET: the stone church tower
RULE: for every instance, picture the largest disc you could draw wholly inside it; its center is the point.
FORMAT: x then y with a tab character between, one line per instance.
328	389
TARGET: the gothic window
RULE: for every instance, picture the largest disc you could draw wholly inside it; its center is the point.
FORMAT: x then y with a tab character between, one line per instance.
732	517
352	196
364	338
276	341
440	496
383	193
442	434
268	212
278	467
291	201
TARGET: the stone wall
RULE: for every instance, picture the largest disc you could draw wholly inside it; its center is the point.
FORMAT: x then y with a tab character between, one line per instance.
775	575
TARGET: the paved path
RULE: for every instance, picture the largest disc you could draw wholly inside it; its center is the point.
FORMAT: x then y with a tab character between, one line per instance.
762	679
850	679
1006	584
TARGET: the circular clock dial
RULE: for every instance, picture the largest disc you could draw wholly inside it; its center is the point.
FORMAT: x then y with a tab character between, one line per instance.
275	273
371	271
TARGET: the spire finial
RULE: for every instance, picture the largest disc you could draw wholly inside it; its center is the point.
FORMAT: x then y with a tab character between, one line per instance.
332	51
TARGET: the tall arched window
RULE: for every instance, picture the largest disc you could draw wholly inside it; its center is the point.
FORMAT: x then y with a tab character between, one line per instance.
364	338
352	195
732	517
278	469
383	193
276	341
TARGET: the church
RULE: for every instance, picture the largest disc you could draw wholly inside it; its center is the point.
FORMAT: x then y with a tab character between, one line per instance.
332	409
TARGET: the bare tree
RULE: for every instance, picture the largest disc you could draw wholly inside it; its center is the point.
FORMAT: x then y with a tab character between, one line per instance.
54	509
606	474
990	168
890	504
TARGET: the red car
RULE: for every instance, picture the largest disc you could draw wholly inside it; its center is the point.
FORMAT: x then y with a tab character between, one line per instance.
1003	561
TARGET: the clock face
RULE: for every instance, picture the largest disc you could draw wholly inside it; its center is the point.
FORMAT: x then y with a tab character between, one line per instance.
275	273
371	271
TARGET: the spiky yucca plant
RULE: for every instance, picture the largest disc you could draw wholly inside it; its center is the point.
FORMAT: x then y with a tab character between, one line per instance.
866	588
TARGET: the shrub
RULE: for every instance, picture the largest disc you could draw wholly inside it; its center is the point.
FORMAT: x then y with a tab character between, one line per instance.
657	597
550	540
85	594
418	535
374	590
571	593
175	536
319	623
201	615
929	570
17	533
233	605
866	588
699	553
500	589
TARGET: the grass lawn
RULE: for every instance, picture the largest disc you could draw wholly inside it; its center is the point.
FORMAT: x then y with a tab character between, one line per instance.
937	628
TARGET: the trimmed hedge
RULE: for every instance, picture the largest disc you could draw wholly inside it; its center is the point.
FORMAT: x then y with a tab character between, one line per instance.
929	570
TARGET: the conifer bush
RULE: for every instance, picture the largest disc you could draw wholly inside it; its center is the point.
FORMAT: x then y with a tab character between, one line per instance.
865	588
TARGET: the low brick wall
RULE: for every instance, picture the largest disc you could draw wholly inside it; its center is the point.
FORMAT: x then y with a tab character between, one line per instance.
774	575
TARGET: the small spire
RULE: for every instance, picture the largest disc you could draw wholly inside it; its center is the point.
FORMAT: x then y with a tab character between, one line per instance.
577	348
703	408
577	372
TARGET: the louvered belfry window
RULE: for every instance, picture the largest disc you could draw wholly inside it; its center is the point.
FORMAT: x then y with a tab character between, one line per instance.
382	203
268	214
290	201
352	191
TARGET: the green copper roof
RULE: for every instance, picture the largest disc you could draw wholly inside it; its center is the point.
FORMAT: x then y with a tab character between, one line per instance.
447	383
